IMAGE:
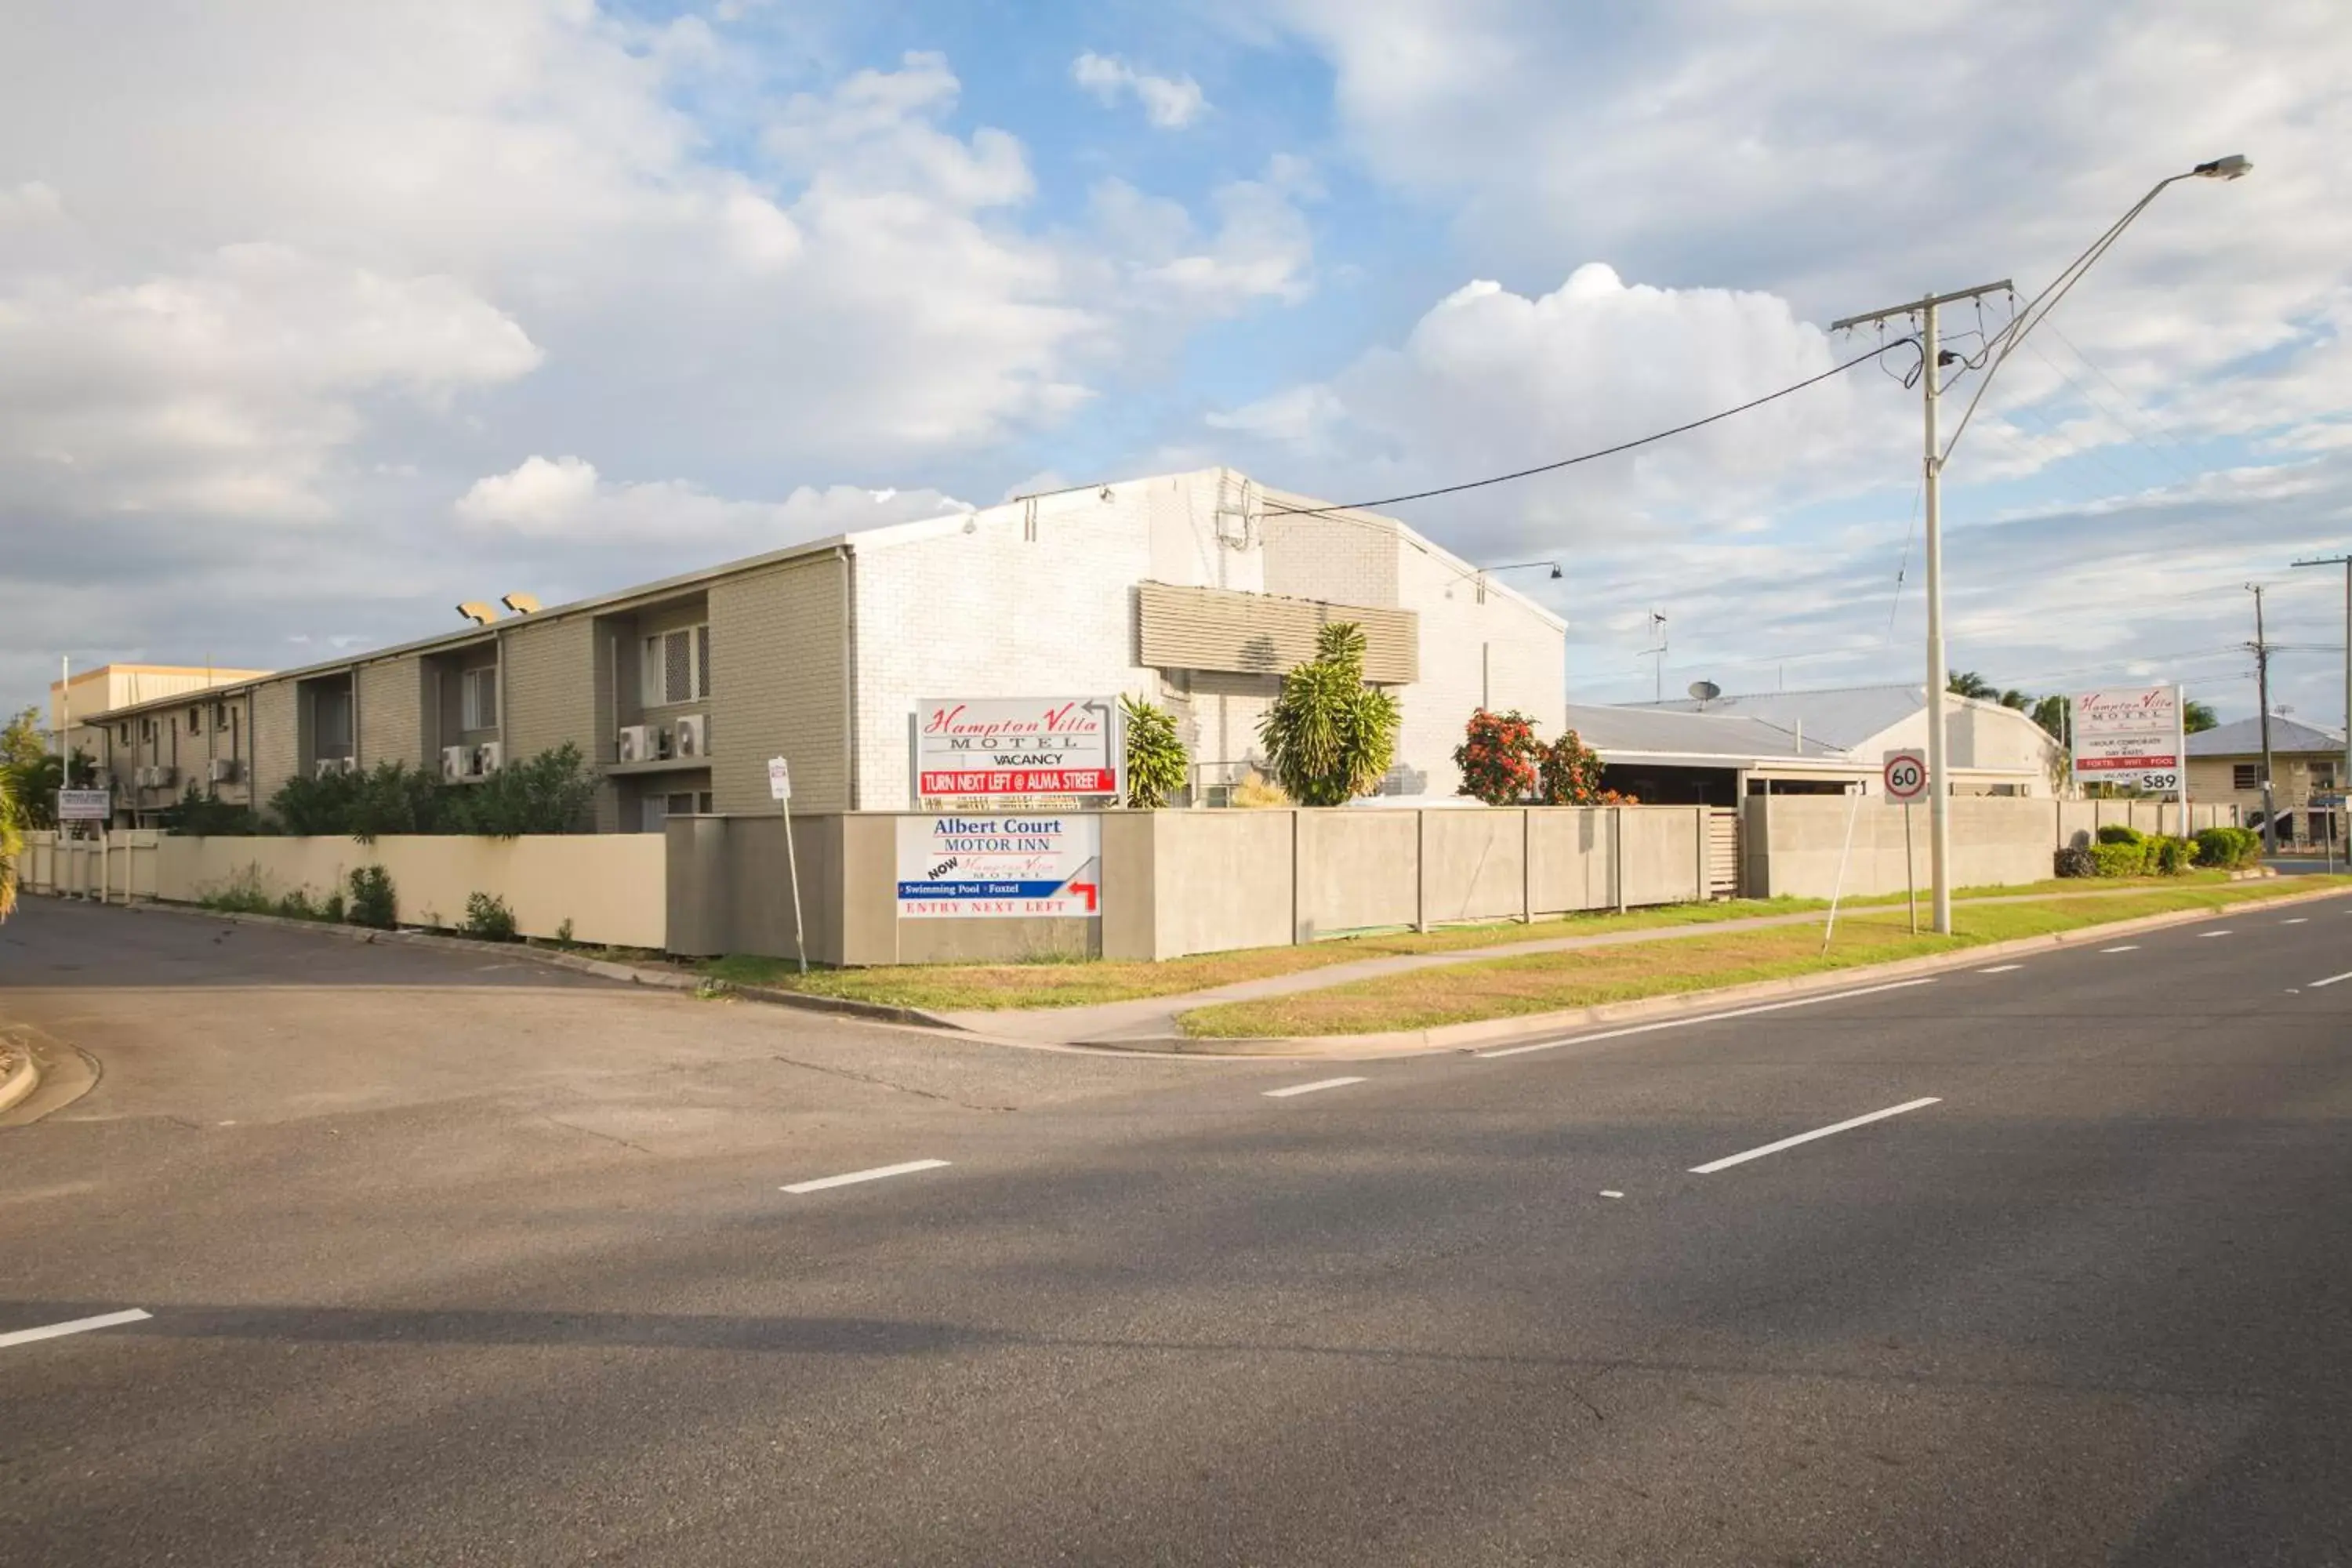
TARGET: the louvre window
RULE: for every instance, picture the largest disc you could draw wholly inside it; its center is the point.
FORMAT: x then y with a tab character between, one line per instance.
2245	775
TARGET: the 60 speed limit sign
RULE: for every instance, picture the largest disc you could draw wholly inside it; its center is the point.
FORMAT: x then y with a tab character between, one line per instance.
1905	776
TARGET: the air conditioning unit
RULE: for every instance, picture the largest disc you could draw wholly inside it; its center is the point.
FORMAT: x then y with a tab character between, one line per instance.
456	763
142	778
489	757
326	767
167	775
693	736
222	769
638	743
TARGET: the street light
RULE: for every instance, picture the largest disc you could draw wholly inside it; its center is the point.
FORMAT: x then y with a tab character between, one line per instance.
1936	453
1525	565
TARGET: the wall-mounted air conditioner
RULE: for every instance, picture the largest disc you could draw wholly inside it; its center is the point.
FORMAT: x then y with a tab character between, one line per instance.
222	769
693	735
142	778
456	763
637	742
326	767
489	757
167	775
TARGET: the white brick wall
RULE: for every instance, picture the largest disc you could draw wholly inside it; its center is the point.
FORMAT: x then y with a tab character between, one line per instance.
1501	649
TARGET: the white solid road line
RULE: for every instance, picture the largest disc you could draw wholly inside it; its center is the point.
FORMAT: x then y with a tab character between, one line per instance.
1740	1159
79	1326
2332	979
2001	969
875	1175
1703	1019
2215	933
2128	947
1312	1088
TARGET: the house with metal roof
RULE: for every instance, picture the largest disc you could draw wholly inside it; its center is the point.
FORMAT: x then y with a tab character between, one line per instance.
1991	750
2307	775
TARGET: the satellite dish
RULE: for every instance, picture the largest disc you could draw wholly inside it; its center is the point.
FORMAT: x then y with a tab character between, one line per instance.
1705	690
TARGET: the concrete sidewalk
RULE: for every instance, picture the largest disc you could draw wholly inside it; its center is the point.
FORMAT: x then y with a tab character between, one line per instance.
1151	1017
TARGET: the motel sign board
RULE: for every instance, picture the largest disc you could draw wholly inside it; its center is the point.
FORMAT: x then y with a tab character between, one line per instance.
1000	866
2131	735
1005	751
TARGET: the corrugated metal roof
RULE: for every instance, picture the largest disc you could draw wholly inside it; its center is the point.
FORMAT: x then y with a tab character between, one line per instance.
1845	717
1653	731
2244	738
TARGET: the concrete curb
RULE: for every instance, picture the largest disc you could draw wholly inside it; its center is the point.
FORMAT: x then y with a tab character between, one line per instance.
1529	1025
22	1080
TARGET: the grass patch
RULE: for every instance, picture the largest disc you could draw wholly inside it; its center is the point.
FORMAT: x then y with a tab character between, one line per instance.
1061	982
1545	983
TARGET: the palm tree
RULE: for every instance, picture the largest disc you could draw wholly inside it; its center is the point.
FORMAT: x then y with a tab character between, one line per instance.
1328	737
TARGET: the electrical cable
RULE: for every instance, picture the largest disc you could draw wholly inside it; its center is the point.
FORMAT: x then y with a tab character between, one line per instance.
1589	457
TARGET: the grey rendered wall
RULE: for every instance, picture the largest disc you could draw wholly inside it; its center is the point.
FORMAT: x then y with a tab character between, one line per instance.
1574	852
779	685
1205	881
1475	863
1356	870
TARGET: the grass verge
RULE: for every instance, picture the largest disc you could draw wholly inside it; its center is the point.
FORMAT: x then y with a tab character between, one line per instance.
1063	982
1546	983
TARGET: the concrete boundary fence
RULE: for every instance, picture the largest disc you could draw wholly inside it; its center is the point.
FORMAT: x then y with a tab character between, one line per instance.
610	886
1172	882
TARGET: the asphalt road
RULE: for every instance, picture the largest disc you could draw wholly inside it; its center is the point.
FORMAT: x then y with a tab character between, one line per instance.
456	1263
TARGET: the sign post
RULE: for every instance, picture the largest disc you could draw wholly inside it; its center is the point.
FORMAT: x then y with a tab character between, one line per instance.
83	806
1837	888
1905	776
780	790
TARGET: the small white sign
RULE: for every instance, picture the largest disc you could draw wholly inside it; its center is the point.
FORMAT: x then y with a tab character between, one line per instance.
1001	866
779	779
84	806
1905	776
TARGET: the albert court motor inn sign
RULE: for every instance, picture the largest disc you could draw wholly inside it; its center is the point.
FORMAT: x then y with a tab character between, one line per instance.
995	753
1008	867
2130	735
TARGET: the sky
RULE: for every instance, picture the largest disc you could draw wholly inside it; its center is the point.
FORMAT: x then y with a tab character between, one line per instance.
315	319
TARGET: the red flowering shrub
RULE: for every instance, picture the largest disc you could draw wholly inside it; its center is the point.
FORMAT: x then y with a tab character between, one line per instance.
1572	775
1499	757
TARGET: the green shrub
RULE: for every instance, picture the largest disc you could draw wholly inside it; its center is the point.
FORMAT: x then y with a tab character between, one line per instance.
2120	859
297	906
202	815
332	910
2118	833
563	932
393	797
549	794
2228	848
488	917
306	805
2172	856
242	896
373	902
2075	860
1157	766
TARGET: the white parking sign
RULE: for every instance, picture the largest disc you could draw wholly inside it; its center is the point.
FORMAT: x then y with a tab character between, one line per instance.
1905	776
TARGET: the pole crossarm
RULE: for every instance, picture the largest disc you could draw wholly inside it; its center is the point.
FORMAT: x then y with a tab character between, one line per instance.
1916	305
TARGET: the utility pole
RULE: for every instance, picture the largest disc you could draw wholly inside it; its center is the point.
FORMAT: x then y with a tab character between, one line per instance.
1658	670
2344	778
2262	698
1939	778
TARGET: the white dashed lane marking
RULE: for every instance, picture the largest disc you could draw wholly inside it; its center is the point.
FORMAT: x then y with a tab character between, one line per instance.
1747	1154
875	1174
77	1326
1310	1088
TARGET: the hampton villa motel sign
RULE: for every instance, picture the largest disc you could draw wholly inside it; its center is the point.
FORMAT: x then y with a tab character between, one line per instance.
999	751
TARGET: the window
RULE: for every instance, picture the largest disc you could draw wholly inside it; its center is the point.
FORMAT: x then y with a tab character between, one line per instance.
220	716
478	699
195	721
675	668
2322	776
330	724
2245	775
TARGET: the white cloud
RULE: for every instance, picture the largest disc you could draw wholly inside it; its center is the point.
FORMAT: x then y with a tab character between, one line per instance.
1170	102
565	499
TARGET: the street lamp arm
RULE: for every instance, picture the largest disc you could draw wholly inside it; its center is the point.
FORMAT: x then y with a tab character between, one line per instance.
2004	343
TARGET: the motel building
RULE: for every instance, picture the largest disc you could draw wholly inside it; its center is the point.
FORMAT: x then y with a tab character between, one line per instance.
1195	590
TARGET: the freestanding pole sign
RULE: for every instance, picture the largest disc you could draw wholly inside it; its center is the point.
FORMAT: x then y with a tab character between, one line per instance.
780	790
1905	775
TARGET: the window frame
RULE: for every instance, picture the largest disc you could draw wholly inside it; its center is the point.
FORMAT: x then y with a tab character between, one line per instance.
478	699
653	666
2245	775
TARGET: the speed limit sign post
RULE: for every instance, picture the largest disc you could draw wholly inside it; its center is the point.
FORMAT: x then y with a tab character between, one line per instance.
1905	776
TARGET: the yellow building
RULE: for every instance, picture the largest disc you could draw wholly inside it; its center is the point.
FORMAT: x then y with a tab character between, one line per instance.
111	686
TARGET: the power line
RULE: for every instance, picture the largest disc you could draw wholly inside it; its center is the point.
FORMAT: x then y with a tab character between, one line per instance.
1587	457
